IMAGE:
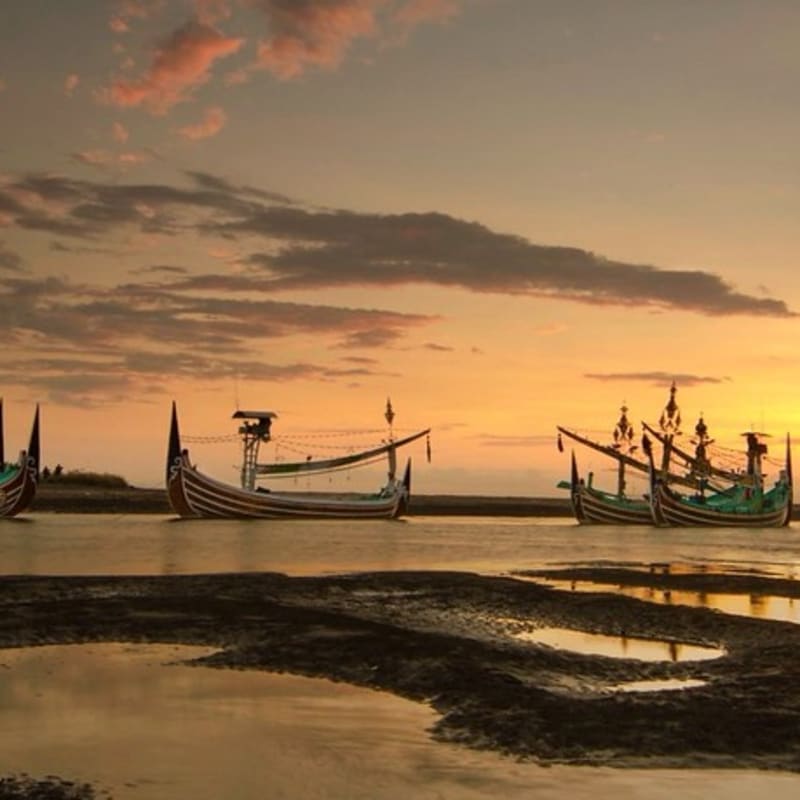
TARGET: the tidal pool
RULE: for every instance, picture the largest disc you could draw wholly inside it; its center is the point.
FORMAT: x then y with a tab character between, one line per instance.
757	606
136	724
598	644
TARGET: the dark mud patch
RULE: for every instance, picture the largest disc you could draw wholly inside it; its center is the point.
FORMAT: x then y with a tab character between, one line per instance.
26	787
451	639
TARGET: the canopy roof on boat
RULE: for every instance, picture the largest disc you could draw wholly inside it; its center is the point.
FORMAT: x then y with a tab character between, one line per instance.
254	415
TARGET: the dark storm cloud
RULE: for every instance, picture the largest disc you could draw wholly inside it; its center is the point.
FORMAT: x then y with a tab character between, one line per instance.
657	378
302	248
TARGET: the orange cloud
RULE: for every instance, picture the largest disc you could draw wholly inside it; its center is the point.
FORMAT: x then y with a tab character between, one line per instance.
2	85
133	9
417	12
71	84
179	66
105	158
212	123
312	34
210	12
309	33
119	132
118	25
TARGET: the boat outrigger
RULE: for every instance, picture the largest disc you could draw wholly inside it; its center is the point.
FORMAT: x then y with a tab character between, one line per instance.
19	480
195	495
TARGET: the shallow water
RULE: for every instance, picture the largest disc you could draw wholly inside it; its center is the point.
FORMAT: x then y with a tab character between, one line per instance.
86	544
118	716
759	606
618	646
113	715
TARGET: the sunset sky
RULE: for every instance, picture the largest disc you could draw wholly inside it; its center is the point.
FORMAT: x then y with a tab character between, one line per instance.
503	214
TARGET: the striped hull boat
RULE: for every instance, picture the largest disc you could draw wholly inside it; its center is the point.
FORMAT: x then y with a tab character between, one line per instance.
18	488
733	508
592	507
194	495
670	508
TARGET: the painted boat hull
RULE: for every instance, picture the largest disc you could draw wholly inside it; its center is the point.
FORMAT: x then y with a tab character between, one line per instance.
672	509
194	495
594	507
772	509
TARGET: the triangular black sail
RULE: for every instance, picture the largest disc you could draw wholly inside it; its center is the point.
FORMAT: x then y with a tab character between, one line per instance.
34	456
174	448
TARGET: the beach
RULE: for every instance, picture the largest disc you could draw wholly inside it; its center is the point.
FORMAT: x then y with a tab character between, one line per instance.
452	639
445	611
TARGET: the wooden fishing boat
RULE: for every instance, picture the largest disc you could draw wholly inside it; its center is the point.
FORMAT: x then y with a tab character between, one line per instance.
593	506
195	495
18	480
743	502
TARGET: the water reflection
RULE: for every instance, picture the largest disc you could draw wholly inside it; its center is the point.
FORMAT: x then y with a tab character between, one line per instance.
785	609
672	684
597	644
114	716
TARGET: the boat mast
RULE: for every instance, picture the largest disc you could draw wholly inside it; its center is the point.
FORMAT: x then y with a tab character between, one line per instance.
756	450
670	424
252	433
392	452
623	438
701	466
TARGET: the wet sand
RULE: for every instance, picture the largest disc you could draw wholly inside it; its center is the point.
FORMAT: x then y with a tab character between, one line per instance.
453	640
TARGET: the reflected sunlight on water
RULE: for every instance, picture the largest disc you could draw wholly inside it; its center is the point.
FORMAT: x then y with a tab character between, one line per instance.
114	715
785	609
598	644
672	684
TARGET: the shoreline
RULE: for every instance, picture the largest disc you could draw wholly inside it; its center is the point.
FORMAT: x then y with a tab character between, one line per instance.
456	641
51	497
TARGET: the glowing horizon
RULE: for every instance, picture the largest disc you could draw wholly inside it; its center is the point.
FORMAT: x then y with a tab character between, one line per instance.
504	215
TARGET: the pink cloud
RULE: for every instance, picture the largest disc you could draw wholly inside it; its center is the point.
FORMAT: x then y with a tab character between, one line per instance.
118	25
128	10
119	132
179	66
417	12
308	33
210	12
71	84
105	158
311	33
212	123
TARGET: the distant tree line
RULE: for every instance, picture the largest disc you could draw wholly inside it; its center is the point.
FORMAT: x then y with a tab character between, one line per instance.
79	477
